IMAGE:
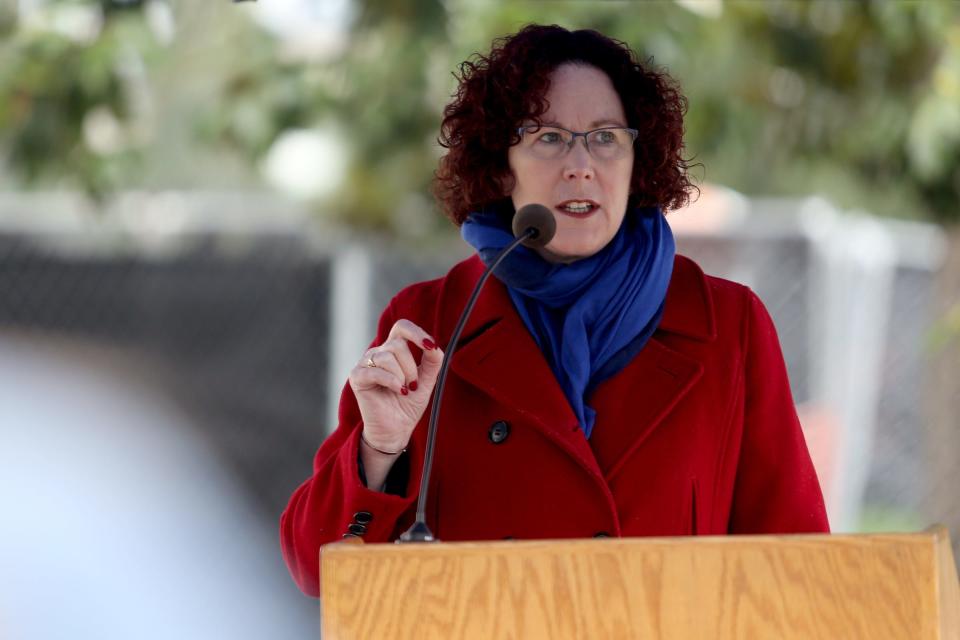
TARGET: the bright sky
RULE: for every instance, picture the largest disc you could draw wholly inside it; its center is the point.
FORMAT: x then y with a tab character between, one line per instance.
287	17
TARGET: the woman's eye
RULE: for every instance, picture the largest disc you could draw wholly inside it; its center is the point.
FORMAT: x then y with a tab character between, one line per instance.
550	137
606	137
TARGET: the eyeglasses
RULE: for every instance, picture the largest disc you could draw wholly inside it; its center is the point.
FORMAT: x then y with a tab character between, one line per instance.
550	143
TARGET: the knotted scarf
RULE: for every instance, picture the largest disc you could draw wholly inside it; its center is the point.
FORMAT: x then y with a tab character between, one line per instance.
589	317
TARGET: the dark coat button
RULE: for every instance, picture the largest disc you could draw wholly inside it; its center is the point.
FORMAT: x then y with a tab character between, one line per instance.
362	517
601	534
357	529
499	431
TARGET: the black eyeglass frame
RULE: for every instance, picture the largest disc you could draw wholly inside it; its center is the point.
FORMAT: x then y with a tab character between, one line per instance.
533	128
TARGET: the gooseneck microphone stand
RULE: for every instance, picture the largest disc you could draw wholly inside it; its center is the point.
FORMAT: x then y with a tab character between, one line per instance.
534	225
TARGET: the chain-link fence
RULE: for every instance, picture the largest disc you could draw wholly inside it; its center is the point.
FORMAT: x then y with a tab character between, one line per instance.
252	331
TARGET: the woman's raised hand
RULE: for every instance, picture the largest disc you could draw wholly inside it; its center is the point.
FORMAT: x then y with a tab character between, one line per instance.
391	391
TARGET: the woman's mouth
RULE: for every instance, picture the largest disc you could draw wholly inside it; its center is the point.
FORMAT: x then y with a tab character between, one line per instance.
578	208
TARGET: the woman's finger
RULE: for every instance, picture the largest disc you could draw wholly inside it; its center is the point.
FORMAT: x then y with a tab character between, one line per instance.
385	359
430	367
406	329
400	349
364	378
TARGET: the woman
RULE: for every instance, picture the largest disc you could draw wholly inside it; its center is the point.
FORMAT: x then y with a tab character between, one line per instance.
603	386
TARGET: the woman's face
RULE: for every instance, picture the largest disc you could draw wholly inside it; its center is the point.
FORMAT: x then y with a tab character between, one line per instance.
580	98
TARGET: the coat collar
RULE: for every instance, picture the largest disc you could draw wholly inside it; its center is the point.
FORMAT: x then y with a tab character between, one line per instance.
498	355
688	309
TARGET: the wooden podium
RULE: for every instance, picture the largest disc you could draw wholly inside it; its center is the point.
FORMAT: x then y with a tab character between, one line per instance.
754	587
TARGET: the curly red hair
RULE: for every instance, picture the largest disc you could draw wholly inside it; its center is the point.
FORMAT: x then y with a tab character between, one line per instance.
506	88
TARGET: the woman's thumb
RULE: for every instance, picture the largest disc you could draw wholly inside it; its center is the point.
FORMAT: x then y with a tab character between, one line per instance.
430	367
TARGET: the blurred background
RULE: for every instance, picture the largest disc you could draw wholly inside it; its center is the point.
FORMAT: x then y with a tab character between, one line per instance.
205	206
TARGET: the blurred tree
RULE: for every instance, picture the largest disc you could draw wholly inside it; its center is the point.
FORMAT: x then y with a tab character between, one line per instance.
101	95
68	79
386	103
859	101
376	92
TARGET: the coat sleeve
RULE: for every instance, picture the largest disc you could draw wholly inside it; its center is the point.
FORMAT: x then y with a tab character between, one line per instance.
776	488
323	507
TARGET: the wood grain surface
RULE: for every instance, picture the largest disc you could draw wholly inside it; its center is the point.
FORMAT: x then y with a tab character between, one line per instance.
784	587
949	585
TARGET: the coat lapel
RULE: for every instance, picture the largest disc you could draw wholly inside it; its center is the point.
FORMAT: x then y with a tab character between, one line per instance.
499	356
635	401
631	404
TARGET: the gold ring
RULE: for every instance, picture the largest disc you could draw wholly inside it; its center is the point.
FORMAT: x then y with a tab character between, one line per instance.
370	362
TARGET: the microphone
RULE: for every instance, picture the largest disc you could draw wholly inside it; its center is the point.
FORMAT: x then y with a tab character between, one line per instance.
533	226
536	219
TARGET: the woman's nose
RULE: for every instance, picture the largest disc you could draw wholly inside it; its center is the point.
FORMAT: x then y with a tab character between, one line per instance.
578	162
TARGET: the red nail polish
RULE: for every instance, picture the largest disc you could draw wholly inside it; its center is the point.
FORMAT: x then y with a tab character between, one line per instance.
403	390
413	385
429	344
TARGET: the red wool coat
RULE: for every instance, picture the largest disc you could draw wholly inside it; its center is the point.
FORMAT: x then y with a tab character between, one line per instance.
696	435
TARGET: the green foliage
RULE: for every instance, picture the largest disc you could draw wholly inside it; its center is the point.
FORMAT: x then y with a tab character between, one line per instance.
857	100
385	104
53	84
882	518
375	91
260	99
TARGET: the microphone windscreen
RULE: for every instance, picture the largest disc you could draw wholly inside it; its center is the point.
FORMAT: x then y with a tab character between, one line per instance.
539	218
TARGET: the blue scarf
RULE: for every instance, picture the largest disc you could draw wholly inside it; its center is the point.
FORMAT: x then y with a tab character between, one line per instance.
592	316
